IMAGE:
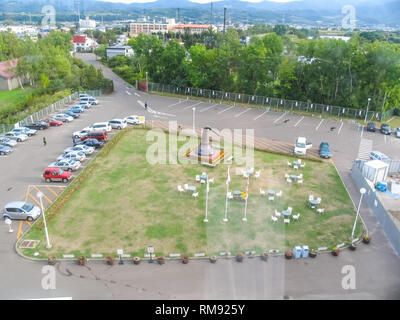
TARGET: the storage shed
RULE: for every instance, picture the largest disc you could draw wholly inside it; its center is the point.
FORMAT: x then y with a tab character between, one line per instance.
375	170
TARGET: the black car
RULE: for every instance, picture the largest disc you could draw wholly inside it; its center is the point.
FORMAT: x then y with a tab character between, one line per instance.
385	129
72	114
91	143
38	125
371	127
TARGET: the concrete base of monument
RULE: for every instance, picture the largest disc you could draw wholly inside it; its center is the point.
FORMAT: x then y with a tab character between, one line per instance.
211	160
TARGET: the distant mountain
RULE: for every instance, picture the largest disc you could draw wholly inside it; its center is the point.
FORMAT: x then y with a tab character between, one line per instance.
325	12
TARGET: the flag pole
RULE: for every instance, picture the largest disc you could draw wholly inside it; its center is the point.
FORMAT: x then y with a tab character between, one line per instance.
226	198
207	189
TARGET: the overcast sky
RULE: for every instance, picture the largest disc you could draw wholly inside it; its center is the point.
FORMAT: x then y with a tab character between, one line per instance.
199	1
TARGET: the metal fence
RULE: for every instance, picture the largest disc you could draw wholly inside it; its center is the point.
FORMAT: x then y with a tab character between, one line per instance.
55	107
5	127
383	217
263	102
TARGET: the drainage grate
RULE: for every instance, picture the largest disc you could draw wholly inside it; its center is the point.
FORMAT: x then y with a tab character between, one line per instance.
29	244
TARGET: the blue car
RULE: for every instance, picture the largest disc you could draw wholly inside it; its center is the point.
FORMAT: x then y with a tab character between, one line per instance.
72	114
325	150
5	149
76	109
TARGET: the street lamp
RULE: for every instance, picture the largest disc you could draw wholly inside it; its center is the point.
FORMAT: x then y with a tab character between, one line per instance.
194	109
366	114
362	191
40	196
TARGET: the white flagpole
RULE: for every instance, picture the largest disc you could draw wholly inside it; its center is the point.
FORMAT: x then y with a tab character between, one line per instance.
226	200
208	188
247	196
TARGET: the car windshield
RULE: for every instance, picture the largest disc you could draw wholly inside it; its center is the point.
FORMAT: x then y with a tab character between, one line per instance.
300	145
27	207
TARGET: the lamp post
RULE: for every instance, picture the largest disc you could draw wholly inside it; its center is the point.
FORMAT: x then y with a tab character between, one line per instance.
366	114
194	109
147	82
362	191
40	196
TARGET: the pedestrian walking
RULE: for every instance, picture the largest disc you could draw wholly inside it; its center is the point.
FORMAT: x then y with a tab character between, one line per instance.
73	139
44	141
145	105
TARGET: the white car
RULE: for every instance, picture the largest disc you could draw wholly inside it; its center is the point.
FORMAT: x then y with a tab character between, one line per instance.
101	126
301	146
135	120
83	95
29	132
67	165
63	117
75	155
118	123
84	104
19	137
82	133
85	149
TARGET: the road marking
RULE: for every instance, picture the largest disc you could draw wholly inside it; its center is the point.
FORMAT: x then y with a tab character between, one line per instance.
319	124
258	117
30	224
128	92
136	94
276	120
208	108
170	106
20	232
385	138
299	121
239	114
34	199
340	127
52	191
193	105
44	195
225	109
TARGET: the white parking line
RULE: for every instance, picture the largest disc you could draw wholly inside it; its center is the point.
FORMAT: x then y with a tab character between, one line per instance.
193	105
340	127
137	94
225	110
208	108
258	117
127	92
238	115
385	137
180	101
277	119
319	124
299	121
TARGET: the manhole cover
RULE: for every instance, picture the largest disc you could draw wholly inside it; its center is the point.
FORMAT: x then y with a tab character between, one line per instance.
29	244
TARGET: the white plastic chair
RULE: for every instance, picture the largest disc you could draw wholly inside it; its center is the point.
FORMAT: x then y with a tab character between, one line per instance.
180	189
274	219
299	161
302	165
310	197
202	181
198	178
286	221
319	200
296	217
289	163
229	195
290	209
286	175
211	180
320	210
195	195
262	192
257	174
279	194
277	214
289	180
186	186
300	176
300	181
271	198
296	167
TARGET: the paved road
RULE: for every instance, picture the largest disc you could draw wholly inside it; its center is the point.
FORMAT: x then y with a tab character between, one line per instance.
377	266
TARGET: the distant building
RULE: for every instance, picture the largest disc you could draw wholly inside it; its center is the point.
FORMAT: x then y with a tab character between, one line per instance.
116	50
122	39
336	38
86	24
193	28
8	77
83	43
148	28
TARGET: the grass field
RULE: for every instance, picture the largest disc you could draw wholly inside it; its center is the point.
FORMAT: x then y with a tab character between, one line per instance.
125	202
10	98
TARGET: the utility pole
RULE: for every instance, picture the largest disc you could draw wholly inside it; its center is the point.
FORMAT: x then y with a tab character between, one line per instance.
224	19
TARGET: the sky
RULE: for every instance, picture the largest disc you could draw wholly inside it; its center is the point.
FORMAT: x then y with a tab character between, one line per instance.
198	1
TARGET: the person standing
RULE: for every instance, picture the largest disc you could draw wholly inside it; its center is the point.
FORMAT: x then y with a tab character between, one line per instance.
44	141
145	105
73	139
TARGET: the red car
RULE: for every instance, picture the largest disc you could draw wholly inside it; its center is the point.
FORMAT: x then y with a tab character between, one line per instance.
53	122
56	174
98	135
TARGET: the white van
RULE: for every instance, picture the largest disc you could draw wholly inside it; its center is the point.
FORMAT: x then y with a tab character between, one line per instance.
101	126
301	146
118	124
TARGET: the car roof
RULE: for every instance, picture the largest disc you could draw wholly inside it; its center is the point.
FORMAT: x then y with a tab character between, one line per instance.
15	204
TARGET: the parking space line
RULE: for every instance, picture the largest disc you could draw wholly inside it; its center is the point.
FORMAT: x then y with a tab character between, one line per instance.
340	127
384	137
277	119
20	232
301	119
193	105
27	193
30	224
319	124
225	110
52	191
170	106
258	117
208	108
239	114
44	195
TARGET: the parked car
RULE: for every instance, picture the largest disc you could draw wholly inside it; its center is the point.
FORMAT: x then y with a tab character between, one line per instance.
75	155
56	174
385	129
371	127
72	114
98	135
66	164
136	120
53	122
19	210
84	104
118	124
91	143
38	125
325	150
63	117
19	137
25	130
302	146
90	100
85	149
376	155
101	126
77	109
82	133
5	150
7	141
83	95
397	132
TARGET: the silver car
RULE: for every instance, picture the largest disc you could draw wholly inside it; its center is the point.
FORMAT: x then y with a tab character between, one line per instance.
29	132
66	164
19	210
75	155
19	137
85	149
8	142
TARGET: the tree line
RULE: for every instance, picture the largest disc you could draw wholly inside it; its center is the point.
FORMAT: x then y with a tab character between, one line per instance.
326	71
